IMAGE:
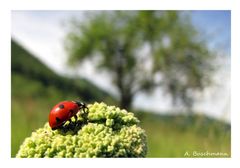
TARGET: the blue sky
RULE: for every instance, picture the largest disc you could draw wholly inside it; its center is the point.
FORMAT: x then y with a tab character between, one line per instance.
42	33
216	23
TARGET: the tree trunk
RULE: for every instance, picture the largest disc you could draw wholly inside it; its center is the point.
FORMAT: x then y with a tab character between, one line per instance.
126	101
124	86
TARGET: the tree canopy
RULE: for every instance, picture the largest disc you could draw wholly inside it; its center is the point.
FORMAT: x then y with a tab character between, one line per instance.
143	50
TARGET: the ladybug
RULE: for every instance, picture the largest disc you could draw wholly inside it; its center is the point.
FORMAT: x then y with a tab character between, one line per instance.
63	112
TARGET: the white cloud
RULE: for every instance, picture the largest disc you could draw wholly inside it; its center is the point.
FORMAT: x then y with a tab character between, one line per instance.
43	36
215	100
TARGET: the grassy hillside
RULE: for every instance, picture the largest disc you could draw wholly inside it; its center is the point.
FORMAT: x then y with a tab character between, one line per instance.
174	135
36	88
26	65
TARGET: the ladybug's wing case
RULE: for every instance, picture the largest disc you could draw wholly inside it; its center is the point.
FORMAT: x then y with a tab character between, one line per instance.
62	112
71	108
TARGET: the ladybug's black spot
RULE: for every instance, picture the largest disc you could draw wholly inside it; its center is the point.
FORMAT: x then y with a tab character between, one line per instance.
58	119
61	106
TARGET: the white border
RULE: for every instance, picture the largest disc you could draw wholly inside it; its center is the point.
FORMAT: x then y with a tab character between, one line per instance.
5	85
235	89
121	4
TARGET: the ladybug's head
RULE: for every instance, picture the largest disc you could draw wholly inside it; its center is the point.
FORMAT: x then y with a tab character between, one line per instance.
81	104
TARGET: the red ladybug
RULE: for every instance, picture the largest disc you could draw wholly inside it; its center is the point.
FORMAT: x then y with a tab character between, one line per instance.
63	112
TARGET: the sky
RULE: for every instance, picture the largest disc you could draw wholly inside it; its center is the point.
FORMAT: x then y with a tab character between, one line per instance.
43	32
217	25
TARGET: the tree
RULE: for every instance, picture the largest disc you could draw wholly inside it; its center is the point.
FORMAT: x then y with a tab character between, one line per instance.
143	50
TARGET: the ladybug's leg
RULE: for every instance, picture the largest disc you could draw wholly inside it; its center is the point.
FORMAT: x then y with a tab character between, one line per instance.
75	117
70	121
76	121
85	109
84	115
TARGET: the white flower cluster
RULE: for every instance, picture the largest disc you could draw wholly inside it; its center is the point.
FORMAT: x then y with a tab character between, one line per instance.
108	132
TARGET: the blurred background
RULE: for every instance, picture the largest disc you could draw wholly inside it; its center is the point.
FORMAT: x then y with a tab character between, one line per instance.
171	68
